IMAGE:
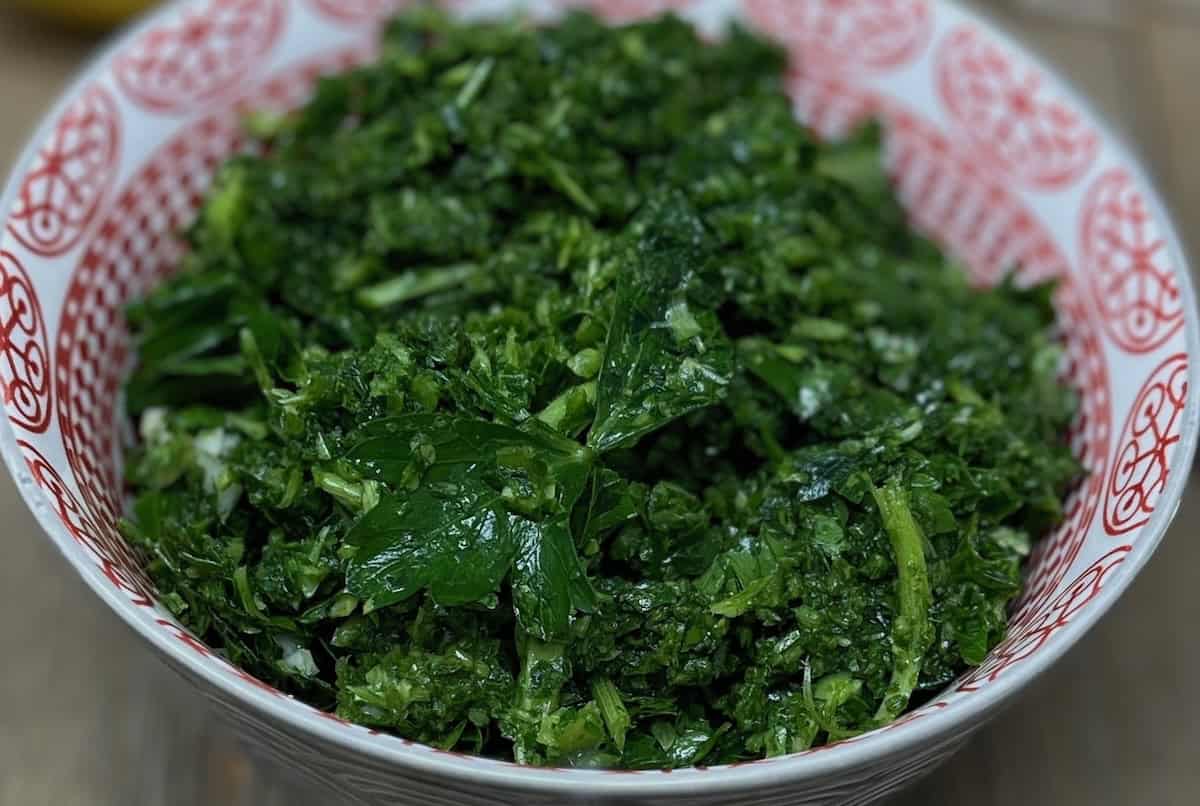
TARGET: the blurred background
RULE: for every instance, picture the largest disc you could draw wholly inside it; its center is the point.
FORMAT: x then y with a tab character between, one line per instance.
87	716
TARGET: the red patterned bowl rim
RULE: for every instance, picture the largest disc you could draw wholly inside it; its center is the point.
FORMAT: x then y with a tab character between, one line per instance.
874	749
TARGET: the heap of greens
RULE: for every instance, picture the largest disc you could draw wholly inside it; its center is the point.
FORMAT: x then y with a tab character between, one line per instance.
551	394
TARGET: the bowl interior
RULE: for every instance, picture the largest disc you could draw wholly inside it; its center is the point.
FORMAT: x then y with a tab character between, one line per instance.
991	153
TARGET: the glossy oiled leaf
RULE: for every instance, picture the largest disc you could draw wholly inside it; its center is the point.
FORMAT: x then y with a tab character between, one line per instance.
665	355
458	542
397	449
548	581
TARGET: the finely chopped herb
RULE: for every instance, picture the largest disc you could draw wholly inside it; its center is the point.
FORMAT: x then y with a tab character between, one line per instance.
551	394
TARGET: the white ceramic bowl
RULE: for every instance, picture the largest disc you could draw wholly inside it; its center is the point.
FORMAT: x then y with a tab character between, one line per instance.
992	153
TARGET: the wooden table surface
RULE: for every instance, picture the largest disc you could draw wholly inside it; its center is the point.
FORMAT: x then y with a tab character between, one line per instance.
88	717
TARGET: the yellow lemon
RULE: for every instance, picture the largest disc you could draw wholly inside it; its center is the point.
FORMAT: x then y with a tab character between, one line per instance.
85	13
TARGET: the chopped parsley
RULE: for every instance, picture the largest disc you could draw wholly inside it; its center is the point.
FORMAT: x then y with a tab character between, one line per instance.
551	394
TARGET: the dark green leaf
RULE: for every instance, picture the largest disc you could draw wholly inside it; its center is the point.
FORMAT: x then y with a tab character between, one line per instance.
548	581
457	541
664	356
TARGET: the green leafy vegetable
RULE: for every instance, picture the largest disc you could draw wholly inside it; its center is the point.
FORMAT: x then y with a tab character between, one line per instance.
550	394
549	582
457	540
662	358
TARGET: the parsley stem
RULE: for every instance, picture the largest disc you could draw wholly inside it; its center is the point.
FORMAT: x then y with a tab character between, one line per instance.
912	632
415	284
